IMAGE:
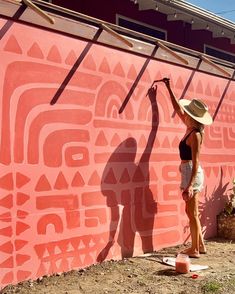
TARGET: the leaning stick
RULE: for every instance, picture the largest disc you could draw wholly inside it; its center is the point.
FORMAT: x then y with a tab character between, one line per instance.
207	60
116	35
162	46
39	11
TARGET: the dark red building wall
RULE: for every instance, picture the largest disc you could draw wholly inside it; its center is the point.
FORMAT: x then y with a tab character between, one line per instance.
178	32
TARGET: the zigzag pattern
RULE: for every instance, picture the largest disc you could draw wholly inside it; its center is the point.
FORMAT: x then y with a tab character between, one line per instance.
74	172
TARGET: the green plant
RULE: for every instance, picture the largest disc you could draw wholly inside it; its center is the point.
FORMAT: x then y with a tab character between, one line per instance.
211	287
229	207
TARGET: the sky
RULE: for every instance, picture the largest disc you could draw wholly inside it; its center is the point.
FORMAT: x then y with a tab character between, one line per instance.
223	8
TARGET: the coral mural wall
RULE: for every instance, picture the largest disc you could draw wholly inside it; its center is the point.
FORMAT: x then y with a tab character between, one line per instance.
80	182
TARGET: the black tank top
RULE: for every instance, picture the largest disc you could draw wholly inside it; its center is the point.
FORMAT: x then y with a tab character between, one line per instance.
185	150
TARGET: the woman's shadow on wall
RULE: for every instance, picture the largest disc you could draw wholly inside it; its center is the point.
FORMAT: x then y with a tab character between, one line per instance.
125	184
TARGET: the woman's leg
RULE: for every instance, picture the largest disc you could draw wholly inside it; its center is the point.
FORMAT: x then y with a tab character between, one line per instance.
195	226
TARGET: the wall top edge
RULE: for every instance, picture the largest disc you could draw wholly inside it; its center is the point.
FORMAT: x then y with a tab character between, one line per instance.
79	25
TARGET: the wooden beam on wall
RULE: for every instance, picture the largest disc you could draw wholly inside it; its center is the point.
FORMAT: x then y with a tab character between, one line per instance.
38	10
177	56
116	35
208	61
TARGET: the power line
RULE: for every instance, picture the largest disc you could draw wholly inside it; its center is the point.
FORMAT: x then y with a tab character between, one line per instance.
223	12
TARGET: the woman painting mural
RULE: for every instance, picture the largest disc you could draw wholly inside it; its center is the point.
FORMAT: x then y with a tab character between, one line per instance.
195	116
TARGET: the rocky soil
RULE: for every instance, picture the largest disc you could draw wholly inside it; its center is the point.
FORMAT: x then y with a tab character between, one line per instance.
144	274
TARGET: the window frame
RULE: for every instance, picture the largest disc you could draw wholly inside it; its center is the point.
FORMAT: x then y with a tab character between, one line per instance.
143	24
219	51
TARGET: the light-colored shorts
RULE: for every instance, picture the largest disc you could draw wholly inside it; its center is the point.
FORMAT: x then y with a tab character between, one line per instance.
186	171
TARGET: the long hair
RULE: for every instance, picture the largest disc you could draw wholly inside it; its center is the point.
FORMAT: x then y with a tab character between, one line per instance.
200	127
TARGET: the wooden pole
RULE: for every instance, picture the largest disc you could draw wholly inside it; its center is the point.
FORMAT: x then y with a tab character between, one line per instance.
162	46
116	35
39	11
207	60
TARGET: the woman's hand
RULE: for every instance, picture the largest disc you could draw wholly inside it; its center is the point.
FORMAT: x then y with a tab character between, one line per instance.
187	194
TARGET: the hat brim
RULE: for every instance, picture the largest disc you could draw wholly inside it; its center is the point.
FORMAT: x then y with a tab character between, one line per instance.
206	119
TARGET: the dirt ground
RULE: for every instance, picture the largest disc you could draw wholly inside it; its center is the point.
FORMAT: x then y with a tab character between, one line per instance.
144	274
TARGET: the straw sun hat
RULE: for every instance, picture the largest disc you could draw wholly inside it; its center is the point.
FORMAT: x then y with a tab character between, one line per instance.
197	109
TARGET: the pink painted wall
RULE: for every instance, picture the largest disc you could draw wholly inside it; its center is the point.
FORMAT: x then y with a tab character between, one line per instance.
77	174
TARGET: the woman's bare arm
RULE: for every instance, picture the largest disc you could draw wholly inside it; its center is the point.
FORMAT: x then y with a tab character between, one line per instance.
178	109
